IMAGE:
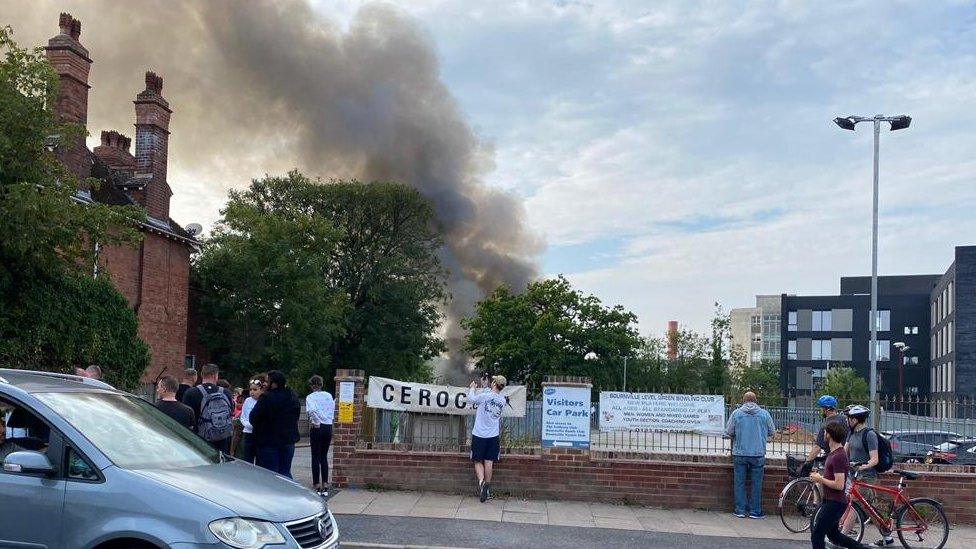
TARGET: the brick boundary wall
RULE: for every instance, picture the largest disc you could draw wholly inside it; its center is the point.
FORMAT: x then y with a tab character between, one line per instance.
657	480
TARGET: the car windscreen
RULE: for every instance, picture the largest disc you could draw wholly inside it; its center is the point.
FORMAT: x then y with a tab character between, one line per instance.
131	433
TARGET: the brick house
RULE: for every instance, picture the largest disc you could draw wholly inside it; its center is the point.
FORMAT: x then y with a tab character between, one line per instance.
154	275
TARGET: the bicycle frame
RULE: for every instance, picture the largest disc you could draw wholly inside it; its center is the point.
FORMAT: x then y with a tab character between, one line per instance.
897	495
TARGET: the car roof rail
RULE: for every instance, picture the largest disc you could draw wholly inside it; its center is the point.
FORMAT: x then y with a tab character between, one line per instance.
71	377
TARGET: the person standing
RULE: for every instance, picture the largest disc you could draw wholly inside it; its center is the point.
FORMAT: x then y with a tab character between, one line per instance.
750	427
212	407
188	382
167	403
862	447
275	421
485	444
257	387
829	413
833	479
321	412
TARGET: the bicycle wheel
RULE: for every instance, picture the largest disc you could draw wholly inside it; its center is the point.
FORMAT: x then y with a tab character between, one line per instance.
799	500
922	524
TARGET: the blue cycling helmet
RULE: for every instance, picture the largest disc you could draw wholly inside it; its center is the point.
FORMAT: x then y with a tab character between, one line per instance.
827	401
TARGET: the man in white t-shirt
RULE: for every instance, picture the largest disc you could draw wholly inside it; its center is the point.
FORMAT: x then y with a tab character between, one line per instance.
487	427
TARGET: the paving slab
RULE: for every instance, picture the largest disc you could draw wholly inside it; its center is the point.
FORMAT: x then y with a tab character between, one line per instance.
526	506
433	512
525	518
606	510
618	523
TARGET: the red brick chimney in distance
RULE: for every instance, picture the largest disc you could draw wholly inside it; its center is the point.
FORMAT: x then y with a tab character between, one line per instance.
152	143
70	60
672	340
114	151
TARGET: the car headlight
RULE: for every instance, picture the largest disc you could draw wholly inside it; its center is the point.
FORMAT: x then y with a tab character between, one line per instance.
246	534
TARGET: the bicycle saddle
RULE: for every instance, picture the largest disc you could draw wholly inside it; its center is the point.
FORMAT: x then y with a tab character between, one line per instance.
906	474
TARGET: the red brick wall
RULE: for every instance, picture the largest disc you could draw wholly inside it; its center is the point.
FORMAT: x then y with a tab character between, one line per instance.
162	311
696	482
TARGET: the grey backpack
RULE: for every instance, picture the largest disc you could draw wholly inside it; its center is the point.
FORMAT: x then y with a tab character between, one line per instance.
216	411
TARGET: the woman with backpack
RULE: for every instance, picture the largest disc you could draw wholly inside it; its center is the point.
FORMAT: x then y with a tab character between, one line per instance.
275	422
863	446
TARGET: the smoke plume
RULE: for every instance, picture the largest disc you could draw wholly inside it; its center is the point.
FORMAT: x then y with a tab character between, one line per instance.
261	86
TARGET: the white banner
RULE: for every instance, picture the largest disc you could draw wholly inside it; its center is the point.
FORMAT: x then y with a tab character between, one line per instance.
407	396
662	412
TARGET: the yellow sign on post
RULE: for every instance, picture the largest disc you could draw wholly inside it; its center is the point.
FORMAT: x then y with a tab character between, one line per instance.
346	397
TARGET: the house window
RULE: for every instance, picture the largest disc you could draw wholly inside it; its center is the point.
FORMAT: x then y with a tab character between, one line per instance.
791	349
820	349
821	321
792	321
884	321
189	361
883	350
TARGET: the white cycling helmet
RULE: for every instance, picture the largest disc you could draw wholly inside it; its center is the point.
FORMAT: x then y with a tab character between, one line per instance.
858	412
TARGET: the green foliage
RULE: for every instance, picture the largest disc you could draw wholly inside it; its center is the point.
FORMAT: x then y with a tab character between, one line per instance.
549	329
51	315
304	277
762	379
846	385
66	321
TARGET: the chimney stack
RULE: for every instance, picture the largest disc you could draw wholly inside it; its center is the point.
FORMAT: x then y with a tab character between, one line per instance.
152	143
114	152
672	340
70	60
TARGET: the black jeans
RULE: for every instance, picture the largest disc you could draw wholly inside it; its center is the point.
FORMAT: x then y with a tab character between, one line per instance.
247	448
826	523
321	439
276	458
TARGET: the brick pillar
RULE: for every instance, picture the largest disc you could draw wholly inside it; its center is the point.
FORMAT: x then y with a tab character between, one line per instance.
346	435
564	454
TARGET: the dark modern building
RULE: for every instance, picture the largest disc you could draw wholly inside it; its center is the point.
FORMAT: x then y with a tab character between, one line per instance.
821	332
932	317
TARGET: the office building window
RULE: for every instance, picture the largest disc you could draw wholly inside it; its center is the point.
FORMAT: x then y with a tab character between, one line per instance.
933	348
821	321
949	342
756	357
791	349
884	321
949	294
911	330
791	319
820	349
883	349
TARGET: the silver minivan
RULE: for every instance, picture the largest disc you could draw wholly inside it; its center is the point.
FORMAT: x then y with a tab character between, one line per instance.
88	466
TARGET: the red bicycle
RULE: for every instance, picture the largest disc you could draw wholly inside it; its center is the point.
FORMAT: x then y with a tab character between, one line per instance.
920	522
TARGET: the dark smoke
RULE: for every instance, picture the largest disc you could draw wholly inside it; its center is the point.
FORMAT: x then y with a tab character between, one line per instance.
261	86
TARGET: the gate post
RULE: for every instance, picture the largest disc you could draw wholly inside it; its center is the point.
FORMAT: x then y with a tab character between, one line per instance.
346	430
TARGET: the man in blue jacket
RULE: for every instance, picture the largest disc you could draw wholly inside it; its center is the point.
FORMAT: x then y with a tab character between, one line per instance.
749	426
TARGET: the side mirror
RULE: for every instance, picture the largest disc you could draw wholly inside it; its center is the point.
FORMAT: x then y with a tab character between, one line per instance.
28	462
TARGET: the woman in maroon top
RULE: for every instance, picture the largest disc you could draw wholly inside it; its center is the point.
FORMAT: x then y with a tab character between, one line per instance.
834	497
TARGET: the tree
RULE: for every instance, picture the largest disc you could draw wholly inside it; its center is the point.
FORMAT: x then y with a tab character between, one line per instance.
549	329
844	384
762	379
52	314
305	276
74	321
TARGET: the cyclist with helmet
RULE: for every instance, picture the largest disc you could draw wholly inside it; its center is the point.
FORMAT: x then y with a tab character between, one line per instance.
828	410
862	446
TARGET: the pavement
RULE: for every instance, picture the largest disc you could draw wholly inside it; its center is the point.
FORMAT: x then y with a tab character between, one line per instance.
370	518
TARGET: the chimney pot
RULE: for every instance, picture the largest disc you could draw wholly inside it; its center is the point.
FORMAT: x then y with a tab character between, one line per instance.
154	83
69	25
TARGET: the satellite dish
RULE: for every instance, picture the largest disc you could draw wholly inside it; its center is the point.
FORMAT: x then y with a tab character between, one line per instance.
194	229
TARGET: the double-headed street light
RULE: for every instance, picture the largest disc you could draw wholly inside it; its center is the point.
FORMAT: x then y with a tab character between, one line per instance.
897	123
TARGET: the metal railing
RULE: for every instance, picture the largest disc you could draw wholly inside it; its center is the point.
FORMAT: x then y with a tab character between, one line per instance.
796	429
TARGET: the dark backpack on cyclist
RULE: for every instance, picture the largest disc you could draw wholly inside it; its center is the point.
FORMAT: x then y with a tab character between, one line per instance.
216	412
885	457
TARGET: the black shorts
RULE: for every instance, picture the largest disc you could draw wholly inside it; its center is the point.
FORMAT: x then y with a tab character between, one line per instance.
484	449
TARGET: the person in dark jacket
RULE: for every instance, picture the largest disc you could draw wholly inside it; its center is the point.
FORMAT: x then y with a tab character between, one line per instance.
275	422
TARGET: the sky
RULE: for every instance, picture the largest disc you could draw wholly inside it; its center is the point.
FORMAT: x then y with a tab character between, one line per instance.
676	154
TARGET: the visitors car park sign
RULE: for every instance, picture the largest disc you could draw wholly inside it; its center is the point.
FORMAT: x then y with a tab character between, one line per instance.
566	417
662	412
390	394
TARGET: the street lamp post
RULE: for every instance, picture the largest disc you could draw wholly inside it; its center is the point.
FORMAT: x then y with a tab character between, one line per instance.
897	123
